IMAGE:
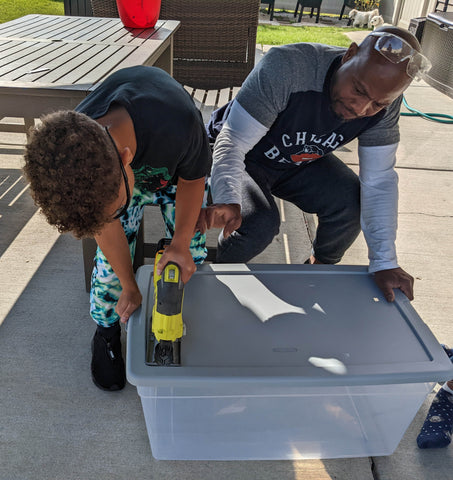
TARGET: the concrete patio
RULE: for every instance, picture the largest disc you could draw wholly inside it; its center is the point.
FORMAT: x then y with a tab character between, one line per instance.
56	425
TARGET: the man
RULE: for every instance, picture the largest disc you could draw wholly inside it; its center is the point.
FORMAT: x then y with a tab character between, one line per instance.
138	139
299	104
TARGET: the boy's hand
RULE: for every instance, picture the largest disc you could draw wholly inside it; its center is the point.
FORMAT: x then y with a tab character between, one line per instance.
220	215
129	301
182	258
387	280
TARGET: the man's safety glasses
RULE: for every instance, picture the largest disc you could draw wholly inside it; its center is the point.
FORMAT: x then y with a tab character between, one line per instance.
122	210
397	50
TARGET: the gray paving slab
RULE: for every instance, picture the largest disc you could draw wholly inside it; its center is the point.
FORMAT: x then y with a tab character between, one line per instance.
426	144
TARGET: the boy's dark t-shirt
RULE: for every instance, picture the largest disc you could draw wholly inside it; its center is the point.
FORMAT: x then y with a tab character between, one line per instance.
169	129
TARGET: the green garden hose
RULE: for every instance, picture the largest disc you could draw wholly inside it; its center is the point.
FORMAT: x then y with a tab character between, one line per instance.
435	117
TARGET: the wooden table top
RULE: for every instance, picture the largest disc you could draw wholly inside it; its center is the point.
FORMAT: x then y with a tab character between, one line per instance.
54	56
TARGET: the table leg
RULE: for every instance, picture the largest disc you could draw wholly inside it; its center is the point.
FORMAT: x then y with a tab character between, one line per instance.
165	61
29	123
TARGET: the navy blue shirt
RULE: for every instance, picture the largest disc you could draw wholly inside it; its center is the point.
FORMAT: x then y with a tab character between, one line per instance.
169	129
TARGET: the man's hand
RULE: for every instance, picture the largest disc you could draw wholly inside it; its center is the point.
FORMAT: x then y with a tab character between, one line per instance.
220	215
128	302
387	280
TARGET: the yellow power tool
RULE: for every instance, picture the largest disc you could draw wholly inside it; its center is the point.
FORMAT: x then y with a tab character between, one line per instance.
167	327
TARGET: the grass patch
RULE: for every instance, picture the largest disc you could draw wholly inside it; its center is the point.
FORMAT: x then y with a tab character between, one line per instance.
282	35
11	9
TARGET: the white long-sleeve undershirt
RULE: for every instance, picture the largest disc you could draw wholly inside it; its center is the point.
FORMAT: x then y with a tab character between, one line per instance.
240	133
379	204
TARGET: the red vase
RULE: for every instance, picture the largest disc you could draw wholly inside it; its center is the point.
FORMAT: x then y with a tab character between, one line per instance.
139	13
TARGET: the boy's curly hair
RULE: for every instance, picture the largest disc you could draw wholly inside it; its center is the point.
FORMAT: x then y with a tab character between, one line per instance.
73	172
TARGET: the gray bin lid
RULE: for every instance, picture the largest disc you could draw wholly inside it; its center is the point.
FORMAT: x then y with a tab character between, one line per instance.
293	325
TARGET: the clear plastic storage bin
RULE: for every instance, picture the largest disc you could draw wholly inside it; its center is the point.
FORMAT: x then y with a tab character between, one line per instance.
284	362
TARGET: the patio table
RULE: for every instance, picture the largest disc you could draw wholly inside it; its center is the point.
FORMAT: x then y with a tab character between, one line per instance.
50	62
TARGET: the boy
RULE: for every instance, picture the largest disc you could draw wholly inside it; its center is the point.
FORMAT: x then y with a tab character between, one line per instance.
138	139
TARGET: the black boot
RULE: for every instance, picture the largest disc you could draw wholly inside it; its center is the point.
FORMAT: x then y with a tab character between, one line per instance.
107	364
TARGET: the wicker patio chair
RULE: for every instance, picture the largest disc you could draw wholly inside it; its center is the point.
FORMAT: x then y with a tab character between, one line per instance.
215	46
270	8
104	8
308	4
349	4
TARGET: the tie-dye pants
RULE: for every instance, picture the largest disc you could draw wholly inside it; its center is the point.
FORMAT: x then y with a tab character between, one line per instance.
105	285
